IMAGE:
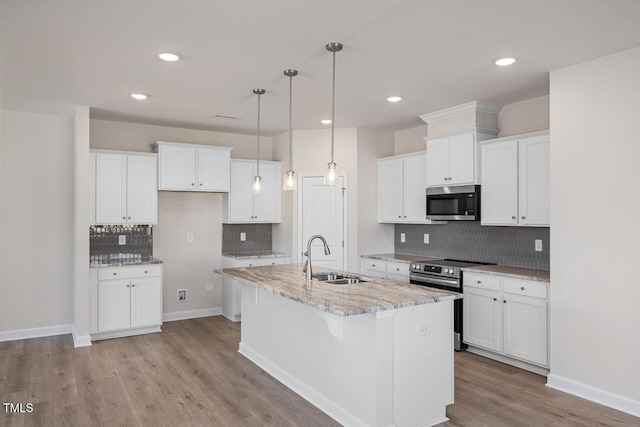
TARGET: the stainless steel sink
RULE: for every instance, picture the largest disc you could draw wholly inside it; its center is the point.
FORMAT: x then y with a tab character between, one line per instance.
345	281
324	277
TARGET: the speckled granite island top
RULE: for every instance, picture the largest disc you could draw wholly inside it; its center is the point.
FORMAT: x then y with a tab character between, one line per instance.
343	300
509	271
251	255
393	257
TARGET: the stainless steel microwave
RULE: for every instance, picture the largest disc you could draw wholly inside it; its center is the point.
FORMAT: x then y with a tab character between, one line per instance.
454	203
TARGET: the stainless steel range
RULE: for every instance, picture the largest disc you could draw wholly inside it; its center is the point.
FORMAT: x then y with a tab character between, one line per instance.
444	274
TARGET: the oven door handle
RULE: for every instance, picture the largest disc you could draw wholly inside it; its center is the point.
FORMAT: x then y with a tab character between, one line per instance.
434	280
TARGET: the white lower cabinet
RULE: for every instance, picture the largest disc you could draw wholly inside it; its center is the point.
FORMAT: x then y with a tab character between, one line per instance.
231	308
392	270
126	300
507	316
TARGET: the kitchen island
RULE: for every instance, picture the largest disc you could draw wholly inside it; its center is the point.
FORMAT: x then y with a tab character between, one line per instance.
378	353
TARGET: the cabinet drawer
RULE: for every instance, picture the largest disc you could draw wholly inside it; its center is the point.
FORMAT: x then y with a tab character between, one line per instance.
525	287
375	265
129	272
482	281
398	268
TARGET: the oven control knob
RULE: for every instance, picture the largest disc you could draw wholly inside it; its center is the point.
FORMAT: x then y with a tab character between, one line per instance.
446	270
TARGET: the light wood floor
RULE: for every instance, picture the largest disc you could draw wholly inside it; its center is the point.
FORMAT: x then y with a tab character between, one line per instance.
192	375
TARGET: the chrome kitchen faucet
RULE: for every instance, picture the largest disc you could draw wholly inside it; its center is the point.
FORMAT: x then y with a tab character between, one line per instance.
307	264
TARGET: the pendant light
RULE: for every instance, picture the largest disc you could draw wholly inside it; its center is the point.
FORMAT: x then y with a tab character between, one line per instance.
257	180
331	175
289	183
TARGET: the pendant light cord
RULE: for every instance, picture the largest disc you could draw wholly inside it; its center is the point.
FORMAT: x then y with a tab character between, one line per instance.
290	122
333	103
258	156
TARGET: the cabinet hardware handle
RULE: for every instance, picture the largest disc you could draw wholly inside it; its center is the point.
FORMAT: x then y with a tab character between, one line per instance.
146	271
523	217
522	288
115	274
505	301
405	216
200	184
373	265
399	216
124	217
128	286
479	281
133	286
128	217
513	217
397	269
495	299
273	263
192	184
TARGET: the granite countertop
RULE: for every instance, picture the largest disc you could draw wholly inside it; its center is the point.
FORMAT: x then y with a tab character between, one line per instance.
119	262
289	281
250	255
393	257
509	271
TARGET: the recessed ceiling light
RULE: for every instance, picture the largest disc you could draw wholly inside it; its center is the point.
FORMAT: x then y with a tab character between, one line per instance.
325	121
170	57
505	61
139	96
394	98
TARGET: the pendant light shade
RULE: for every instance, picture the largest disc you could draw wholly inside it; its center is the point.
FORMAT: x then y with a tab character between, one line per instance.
331	175
289	182
257	180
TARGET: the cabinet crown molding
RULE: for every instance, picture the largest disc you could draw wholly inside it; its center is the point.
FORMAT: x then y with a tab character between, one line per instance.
156	144
469	107
514	137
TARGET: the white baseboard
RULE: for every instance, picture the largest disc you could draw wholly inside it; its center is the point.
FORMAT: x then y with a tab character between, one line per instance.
509	361
45	331
125	333
191	314
594	394
80	340
318	400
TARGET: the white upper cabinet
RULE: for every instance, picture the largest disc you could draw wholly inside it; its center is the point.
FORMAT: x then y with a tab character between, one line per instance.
401	189
125	189
187	167
241	205
454	159
515	180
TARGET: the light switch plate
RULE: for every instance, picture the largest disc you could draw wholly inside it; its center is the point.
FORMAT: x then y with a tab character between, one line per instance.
426	239
189	237
403	238
538	245
122	239
243	237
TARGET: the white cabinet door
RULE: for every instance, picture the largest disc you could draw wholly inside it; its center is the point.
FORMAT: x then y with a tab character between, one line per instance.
114	305
240	193
461	159
111	188
146	302
213	169
525	328
437	162
266	205
415	182
499	184
177	168
534	181
142	190
482	320
390	190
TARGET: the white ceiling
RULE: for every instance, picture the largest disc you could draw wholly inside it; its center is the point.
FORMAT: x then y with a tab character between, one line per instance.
437	54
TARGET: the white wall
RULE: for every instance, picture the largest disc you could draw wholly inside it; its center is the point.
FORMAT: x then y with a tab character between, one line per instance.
410	140
186	265
524	116
595	234
36	221
372	236
282	234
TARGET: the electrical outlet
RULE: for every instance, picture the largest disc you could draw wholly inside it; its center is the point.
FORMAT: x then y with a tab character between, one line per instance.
243	237
122	239
208	286
424	330
426	239
538	245
182	295
403	238
189	237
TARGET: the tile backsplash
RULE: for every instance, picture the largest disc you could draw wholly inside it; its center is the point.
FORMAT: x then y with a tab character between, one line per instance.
258	238
470	241
104	241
